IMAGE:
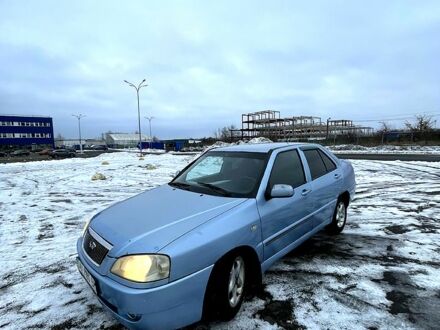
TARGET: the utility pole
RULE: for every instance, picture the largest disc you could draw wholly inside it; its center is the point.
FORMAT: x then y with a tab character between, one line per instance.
137	88
149	120
328	120
293	127
79	130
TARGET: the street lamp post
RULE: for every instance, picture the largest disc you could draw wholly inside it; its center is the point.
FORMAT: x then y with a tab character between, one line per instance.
137	88
79	130
149	120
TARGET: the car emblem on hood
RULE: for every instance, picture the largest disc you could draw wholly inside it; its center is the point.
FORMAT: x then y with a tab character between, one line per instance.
92	245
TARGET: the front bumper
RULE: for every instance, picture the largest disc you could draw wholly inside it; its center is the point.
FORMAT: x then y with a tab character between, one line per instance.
173	305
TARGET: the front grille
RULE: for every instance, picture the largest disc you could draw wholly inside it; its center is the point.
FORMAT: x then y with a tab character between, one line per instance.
95	250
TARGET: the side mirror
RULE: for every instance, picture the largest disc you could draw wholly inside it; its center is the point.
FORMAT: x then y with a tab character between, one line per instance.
281	190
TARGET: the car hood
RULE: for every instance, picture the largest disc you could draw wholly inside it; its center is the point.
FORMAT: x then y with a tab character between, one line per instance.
151	220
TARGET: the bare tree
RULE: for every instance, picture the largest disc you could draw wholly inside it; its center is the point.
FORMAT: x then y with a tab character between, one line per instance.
226	132
384	129
217	133
422	125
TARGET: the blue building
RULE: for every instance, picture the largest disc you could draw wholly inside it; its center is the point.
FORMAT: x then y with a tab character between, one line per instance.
168	145
175	145
26	131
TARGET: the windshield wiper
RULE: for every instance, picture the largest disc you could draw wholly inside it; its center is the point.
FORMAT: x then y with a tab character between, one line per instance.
180	185
215	188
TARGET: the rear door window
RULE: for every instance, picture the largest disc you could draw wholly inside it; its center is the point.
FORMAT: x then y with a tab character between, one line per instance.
329	164
316	164
287	169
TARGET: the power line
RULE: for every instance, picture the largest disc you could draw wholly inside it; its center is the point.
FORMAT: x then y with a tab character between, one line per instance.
397	118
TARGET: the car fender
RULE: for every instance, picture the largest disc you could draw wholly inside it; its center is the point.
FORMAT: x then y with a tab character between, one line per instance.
206	244
349	179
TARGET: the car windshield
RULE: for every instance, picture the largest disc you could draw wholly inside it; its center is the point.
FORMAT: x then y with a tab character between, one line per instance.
230	174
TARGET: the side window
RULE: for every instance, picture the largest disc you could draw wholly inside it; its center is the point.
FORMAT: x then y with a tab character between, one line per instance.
287	169
316	165
329	164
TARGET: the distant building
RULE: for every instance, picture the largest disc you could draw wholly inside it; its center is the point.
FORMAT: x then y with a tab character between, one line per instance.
74	143
124	140
270	124
26	131
168	145
175	144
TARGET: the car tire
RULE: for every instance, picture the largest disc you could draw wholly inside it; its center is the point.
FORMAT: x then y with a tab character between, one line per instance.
226	289
339	218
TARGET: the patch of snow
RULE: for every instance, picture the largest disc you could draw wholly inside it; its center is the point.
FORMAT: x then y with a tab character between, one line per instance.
227	144
386	260
99	176
259	140
385	149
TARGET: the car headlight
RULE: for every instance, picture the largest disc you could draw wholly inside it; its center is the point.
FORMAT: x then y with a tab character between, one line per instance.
142	268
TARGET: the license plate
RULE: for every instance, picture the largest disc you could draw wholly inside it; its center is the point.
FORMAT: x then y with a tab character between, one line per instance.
85	273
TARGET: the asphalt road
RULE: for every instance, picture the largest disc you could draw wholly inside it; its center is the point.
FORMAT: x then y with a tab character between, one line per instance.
402	157
36	157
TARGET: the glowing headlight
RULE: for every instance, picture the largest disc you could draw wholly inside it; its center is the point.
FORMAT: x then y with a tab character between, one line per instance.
142	268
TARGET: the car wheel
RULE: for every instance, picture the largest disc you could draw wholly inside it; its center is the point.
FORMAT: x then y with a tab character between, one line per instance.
226	289
339	218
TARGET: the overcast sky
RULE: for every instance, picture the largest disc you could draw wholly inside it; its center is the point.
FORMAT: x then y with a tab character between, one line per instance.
208	62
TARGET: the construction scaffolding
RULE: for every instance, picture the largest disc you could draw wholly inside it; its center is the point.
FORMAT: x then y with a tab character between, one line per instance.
269	124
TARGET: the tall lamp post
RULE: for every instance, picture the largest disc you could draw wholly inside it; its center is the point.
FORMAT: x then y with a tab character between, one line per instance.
79	130
149	120
137	88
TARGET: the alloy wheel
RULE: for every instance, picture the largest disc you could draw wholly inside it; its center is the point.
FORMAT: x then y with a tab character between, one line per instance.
236	281
340	214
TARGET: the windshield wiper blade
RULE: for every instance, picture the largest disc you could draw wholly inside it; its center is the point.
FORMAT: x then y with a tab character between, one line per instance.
215	188
180	185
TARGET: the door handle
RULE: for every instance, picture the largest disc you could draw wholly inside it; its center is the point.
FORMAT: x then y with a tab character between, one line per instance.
305	192
337	176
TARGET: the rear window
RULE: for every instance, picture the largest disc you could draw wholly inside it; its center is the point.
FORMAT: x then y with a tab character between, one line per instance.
316	164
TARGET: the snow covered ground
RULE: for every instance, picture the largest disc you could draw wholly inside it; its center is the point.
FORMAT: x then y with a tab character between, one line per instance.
382	272
385	149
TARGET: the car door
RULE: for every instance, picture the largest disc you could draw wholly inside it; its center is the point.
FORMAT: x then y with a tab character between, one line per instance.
285	220
326	181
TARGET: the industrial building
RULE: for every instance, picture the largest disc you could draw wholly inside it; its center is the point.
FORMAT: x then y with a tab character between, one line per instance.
26	132
125	140
270	124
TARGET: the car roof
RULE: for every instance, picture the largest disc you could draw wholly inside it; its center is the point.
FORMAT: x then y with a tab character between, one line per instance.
260	147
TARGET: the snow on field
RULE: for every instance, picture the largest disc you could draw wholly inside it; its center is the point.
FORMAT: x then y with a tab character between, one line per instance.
385	149
382	272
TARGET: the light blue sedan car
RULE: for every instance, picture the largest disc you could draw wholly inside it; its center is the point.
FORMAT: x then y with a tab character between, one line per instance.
191	249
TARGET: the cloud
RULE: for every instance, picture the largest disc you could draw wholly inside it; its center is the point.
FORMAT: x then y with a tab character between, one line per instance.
206	63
